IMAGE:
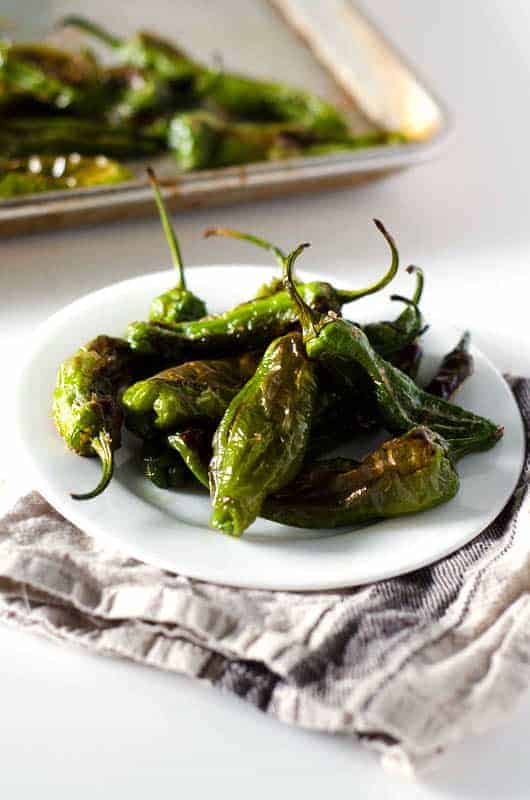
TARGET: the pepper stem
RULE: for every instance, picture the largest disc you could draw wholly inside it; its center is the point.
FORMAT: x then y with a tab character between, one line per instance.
419	282
92	28
309	318
412	303
248	237
172	240
347	296
102	446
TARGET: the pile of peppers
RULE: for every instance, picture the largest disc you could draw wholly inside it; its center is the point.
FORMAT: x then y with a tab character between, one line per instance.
152	98
251	403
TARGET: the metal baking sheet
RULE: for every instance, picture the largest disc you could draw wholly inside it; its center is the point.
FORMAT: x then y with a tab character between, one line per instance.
331	48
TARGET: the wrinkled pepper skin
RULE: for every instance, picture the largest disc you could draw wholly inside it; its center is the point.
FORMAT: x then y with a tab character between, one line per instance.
196	391
455	369
403	476
345	350
260	443
162	466
252	325
178	304
86	410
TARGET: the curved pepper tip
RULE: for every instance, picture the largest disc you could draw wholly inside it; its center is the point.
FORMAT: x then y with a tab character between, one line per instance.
102	446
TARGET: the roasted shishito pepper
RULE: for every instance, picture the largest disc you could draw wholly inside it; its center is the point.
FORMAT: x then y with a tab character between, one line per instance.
204	140
401	405
260	443
37	75
193	448
86	409
54	173
403	476
236	95
24	136
194	392
248	326
390	338
143	50
178	304
456	367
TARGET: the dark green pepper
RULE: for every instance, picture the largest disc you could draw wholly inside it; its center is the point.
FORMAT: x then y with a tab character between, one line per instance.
456	367
345	350
85	402
24	136
40	75
177	304
162	466
143	50
389	338
194	447
196	391
260	443
248	326
403	476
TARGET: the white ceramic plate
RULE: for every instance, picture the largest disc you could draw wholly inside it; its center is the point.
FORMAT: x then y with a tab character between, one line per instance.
170	529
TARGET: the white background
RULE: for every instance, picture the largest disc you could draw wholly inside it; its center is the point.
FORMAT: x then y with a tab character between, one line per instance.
73	724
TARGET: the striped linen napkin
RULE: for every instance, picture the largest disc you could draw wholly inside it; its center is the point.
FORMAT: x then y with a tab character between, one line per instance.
407	666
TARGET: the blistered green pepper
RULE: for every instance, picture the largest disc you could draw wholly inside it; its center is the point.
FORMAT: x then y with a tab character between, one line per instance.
178	304
24	136
248	326
197	391
403	476
345	350
55	173
86	410
260	443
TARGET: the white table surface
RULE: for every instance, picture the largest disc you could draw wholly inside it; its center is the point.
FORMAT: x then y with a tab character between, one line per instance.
73	723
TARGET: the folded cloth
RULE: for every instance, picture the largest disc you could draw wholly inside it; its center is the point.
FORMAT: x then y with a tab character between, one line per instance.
407	666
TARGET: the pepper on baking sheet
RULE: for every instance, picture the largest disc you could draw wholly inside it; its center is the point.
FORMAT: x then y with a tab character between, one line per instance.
40	77
143	50
200	139
237	95
196	391
402	476
260	443
456	367
248	326
41	173
26	135
86	409
178	304
346	352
